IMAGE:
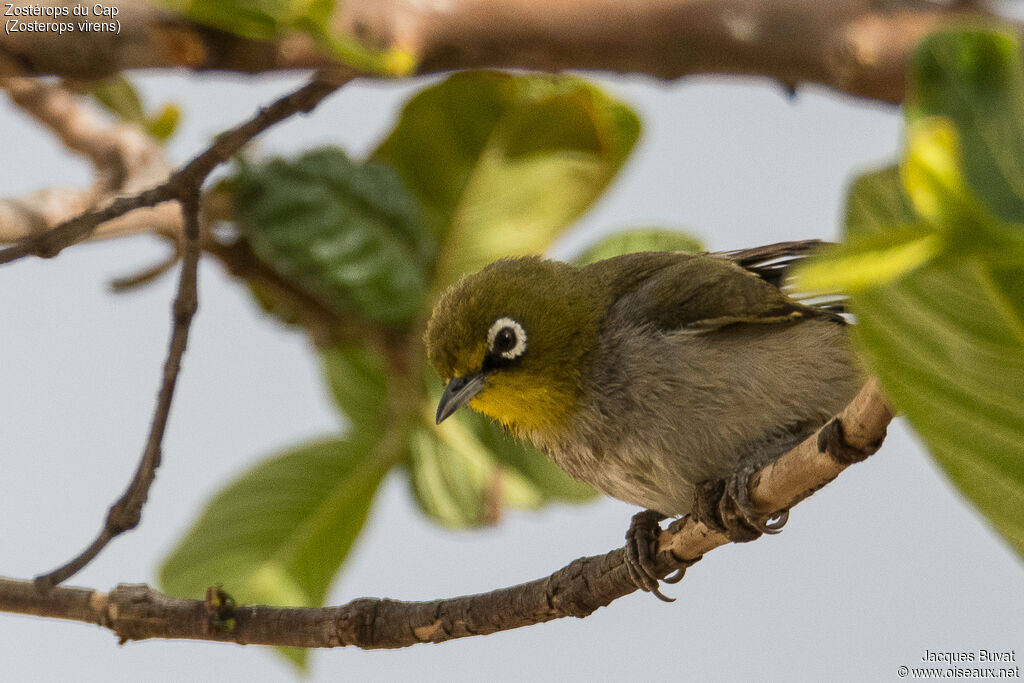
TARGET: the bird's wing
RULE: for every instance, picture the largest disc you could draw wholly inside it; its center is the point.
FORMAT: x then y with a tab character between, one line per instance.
702	292
772	263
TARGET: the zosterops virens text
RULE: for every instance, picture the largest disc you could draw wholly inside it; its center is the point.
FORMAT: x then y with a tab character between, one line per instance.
648	373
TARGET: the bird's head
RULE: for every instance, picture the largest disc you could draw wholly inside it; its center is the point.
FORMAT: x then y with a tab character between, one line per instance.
512	341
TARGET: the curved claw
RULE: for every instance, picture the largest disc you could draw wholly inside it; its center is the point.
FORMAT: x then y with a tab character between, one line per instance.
676	576
643	532
738	489
726	506
774	525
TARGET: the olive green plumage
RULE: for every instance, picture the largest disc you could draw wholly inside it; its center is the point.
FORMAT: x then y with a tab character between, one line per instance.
643	374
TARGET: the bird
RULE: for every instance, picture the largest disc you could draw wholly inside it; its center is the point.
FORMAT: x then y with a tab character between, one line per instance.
651	376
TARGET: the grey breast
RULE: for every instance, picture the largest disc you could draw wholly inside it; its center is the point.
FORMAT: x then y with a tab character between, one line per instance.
669	409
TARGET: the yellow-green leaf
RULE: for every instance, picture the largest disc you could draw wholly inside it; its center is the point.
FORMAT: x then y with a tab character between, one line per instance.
868	262
278	534
640	239
502	163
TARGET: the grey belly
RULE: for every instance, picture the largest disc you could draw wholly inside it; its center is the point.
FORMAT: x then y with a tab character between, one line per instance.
673	410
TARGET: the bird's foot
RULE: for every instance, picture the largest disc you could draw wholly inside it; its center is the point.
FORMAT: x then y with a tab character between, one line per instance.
725	506
641	540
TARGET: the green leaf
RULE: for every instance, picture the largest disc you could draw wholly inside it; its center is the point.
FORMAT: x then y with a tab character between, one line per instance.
272	19
640	239
393	61
256	19
931	173
358	379
455	486
278	534
118	96
456	479
877	199
464	471
950	353
936	270
503	163
163	124
976	79
868	261
947	340
347	233
941	218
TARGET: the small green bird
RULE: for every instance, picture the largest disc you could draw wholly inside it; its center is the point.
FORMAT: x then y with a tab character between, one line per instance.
646	374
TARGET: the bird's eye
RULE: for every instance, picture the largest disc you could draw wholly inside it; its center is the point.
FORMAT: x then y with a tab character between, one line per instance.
506	338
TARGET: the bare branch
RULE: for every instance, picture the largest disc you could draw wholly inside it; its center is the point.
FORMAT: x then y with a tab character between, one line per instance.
184	186
859	47
136	612
37	212
127	511
126	161
126	158
183	181
149	274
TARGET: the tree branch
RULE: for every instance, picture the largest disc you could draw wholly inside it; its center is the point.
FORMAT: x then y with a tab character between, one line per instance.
136	612
125	159
127	511
860	47
184	186
183	181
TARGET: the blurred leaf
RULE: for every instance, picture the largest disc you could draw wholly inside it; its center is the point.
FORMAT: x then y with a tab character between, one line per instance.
941	217
278	534
347	233
950	353
358	380
640	239
118	96
456	487
947	337
271	19
465	471
976	79
932	176
878	195
456	480
256	19
867	261
392	62
503	163
163	124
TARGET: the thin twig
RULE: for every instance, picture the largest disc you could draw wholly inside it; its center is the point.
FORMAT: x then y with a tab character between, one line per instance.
127	511
125	160
184	185
145	276
51	242
124	157
136	612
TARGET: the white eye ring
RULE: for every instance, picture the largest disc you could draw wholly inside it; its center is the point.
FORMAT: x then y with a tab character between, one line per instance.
520	336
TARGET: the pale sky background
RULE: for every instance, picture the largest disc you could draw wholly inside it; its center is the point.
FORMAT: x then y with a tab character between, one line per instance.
883	564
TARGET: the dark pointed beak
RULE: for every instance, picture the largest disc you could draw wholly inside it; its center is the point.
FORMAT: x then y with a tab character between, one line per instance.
459	392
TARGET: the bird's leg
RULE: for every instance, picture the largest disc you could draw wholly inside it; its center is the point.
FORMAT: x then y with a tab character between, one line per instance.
725	506
641	539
